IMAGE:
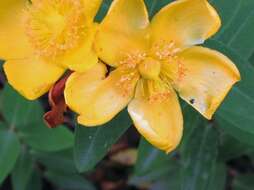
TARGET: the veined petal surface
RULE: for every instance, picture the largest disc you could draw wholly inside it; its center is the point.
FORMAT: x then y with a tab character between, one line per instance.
32	77
98	99
203	77
83	57
13	41
160	122
185	22
91	8
123	31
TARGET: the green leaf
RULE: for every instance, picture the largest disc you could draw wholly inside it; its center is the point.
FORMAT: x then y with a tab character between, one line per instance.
150	164
231	148
172	182
243	182
199	157
218	177
241	41
9	152
18	111
235	17
192	119
35	182
149	158
235	114
40	137
92	144
69	182
238	25
157	168
228	13
61	161
153	164
22	172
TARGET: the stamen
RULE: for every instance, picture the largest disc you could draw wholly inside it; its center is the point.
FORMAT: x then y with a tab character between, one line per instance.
165	50
55	26
173	72
126	82
132	60
173	68
181	70
158	91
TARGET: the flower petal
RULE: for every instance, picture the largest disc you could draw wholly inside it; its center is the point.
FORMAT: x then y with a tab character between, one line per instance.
204	77
84	57
13	41
91	8
185	22
98	99
123	31
32	77
160	122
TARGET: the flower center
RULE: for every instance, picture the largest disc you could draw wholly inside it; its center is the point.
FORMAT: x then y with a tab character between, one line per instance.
149	68
54	26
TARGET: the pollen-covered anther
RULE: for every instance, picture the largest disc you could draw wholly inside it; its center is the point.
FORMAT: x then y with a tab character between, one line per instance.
159	97
132	60
54	26
125	84
165	50
181	70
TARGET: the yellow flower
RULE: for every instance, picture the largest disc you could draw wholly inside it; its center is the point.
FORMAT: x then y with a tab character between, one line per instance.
41	39
152	61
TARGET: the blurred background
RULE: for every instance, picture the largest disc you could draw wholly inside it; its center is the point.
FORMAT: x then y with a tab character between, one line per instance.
213	155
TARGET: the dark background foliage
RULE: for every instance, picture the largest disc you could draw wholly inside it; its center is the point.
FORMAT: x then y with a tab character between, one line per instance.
214	155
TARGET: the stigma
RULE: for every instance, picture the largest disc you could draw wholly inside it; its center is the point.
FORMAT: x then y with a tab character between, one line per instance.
149	68
54	26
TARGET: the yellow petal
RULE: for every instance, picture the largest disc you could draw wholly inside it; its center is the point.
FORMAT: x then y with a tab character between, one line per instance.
32	77
203	77
98	99
160	122
13	41
83	57
185	22
123	31
91	8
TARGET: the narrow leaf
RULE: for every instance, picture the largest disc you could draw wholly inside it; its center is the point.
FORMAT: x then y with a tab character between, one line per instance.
60	161
40	137
69	182
9	152
199	157
92	144
22	172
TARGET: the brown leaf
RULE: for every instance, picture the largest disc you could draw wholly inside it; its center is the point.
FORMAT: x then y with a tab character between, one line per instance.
55	116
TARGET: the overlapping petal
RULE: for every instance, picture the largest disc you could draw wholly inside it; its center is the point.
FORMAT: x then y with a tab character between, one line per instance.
83	57
32	77
13	41
160	122
206	76
91	8
98	99
185	22
123	31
